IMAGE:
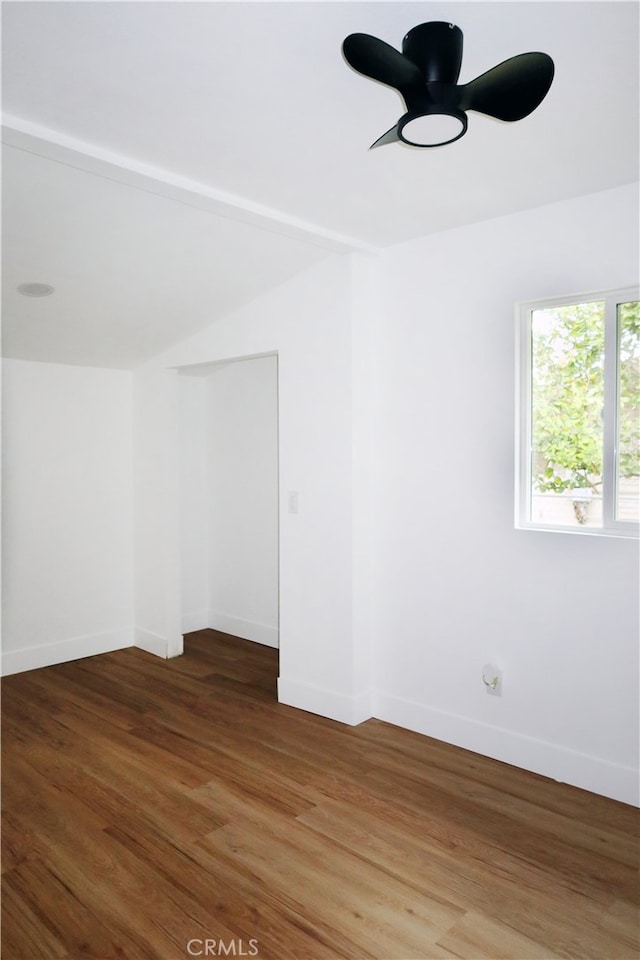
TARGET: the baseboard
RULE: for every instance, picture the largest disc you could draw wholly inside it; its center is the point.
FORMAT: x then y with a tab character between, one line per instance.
46	655
246	629
151	642
550	760
327	703
194	621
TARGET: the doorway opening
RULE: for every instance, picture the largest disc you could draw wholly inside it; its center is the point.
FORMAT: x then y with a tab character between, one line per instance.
229	529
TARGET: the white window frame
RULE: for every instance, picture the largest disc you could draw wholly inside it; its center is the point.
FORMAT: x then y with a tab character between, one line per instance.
523	486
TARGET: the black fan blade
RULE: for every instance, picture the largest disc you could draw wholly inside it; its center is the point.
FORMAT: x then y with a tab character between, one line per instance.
512	90
378	60
391	136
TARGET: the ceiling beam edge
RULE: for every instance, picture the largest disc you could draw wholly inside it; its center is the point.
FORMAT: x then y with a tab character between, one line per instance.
53	145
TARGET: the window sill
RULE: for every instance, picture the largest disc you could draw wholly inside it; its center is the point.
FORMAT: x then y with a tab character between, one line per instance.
631	533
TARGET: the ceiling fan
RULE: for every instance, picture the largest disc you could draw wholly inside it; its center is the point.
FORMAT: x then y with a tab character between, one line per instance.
426	76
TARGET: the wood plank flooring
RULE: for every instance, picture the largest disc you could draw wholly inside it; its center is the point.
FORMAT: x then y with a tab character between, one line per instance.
173	809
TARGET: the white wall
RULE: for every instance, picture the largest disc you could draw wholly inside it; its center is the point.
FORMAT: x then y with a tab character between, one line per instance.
194	419
156	510
243	499
308	323
67	513
455	585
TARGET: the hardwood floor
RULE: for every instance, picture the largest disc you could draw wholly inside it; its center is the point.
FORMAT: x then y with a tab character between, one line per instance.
173	809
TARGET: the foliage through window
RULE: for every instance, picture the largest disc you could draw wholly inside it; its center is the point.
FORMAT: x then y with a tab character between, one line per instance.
579	430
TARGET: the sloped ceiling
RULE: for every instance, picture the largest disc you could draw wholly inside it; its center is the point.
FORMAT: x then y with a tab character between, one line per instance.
164	163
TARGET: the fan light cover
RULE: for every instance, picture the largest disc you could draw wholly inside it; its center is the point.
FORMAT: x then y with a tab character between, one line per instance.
426	76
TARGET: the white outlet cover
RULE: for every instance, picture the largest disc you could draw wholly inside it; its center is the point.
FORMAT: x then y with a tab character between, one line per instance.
492	679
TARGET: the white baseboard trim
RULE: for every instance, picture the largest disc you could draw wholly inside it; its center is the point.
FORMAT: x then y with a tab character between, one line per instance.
151	642
548	759
326	703
194	621
362	707
76	648
246	629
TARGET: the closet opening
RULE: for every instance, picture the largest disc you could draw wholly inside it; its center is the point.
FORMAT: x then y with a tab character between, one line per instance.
229	528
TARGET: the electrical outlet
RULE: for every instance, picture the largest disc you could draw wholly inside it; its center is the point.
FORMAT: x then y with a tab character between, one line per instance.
492	679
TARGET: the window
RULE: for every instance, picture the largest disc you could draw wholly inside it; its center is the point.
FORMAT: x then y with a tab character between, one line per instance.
579	414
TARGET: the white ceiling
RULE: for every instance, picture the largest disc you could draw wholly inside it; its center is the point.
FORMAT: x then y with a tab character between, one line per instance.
167	162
